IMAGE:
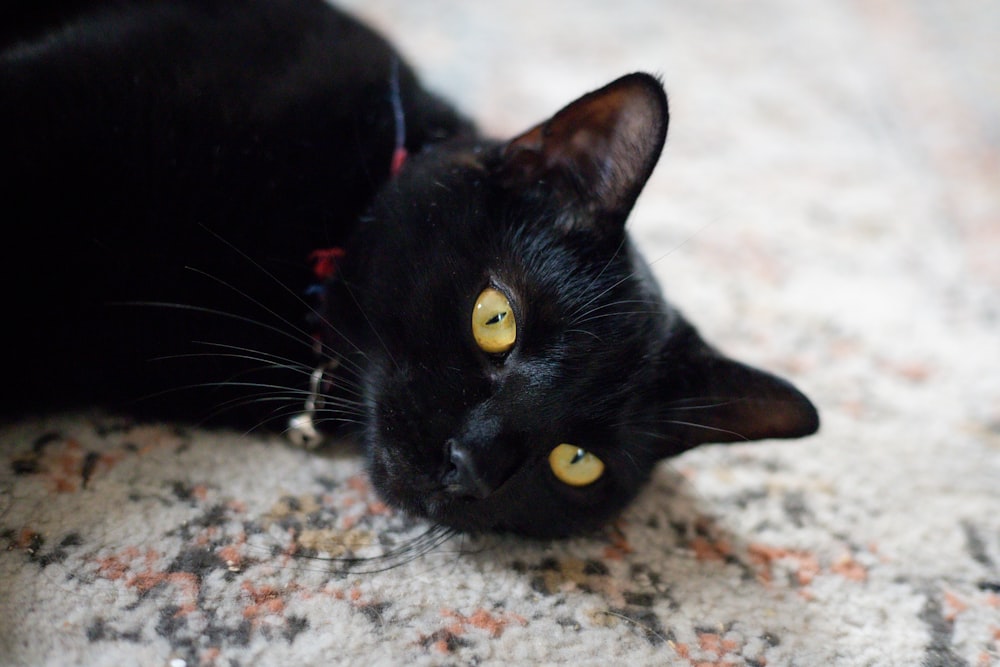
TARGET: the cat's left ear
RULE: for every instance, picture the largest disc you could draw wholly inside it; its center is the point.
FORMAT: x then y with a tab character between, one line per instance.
709	397
596	154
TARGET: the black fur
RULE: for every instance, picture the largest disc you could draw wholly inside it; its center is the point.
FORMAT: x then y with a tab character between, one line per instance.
236	137
189	153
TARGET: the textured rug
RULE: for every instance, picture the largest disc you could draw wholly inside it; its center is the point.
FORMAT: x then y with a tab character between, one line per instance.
828	206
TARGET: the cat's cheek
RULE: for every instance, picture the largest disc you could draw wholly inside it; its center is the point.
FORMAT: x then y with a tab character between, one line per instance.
398	484
588	508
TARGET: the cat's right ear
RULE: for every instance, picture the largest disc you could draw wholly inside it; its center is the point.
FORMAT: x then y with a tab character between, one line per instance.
596	154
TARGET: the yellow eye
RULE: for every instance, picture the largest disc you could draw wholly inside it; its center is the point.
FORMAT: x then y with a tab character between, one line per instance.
575	466
493	323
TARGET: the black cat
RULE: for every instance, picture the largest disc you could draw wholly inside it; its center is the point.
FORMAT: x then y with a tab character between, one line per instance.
484	323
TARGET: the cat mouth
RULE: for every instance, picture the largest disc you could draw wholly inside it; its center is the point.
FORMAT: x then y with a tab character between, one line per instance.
459	512
453	505
481	510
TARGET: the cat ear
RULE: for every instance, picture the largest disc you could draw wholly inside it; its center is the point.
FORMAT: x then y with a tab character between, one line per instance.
596	154
722	400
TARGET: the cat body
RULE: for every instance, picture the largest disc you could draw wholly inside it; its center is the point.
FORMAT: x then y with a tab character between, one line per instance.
190	154
484	324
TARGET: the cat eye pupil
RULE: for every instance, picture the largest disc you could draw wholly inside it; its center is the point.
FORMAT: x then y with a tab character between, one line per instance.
493	324
578	457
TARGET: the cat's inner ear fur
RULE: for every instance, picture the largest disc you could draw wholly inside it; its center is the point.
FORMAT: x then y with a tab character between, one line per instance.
595	154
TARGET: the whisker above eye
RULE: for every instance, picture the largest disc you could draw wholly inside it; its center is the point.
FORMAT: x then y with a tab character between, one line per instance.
600	273
585	332
574	316
621	313
683	242
584	317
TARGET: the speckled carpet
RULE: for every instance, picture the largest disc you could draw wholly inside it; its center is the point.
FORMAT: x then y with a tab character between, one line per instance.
828	206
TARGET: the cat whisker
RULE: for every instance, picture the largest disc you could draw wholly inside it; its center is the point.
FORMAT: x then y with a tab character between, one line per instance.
339	420
285	363
336	411
716	429
371	326
631	275
302	338
282	396
624	302
600	273
621	313
347	364
661	436
683	242
341	406
267	360
588	333
718	403
575	315
220	384
312	342
286	288
409	551
646	629
346	384
288	399
345	412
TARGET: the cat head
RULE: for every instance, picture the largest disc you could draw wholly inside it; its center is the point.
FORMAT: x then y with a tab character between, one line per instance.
519	369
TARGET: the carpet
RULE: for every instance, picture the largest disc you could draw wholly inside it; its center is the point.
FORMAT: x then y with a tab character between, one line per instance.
827	207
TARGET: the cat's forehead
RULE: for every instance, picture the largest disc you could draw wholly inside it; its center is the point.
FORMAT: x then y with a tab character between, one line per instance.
451	209
453	160
473	158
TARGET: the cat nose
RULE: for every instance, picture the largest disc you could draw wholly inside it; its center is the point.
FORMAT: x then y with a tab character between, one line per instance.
461	477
